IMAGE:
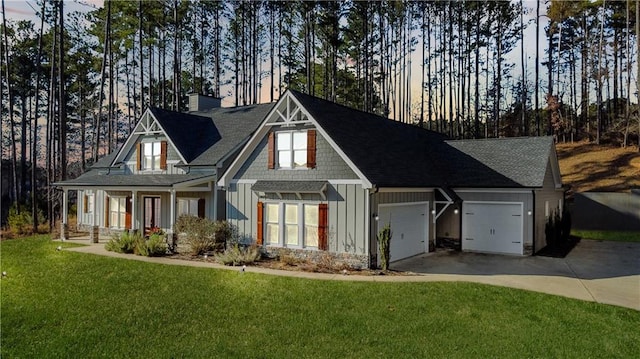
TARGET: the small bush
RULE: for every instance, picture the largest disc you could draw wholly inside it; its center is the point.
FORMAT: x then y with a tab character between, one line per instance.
125	242
22	223
203	235
384	241
558	228
238	255
155	246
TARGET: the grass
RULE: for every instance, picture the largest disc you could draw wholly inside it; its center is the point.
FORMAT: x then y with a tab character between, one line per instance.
600	168
66	304
619	236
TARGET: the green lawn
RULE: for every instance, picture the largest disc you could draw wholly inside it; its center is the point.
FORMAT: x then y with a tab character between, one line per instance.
66	304
620	236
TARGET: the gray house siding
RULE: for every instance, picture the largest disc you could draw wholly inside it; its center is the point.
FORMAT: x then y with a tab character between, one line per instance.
347	204
546	198
329	165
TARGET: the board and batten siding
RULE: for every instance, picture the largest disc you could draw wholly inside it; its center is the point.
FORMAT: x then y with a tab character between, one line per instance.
547	196
396	197
347	211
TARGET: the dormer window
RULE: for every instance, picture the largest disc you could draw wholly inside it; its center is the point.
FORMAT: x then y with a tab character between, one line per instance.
152	156
292	149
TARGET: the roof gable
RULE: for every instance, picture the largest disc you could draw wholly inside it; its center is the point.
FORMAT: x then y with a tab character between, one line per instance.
503	162
387	153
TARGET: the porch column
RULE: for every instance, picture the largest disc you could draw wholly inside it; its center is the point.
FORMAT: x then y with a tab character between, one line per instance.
64	226
215	201
95	229
134	206
172	212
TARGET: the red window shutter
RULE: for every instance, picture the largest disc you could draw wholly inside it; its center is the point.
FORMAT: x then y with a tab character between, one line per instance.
201	207
106	211
260	221
163	155
323	243
311	149
138	156
127	215
271	153
85	204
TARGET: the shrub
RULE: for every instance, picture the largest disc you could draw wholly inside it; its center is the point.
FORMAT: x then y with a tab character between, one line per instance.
558	228
125	242
155	246
22	223
239	255
384	241
203	235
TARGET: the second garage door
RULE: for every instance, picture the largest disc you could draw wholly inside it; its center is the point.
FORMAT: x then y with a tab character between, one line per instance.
409	226
493	227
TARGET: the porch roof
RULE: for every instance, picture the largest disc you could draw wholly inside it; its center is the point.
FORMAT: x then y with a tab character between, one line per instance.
96	179
289	186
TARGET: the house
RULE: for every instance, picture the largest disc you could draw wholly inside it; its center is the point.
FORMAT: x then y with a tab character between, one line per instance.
319	180
167	167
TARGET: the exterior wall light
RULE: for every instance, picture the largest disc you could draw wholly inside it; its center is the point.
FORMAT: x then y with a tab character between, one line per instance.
455	211
529	212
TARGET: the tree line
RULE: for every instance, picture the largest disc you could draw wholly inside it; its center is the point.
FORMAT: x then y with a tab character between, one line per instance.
73	85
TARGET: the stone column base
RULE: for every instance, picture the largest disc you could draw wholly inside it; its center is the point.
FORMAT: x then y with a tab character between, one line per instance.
64	231
94	234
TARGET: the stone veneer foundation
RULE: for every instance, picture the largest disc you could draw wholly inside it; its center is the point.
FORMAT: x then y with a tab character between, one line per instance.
330	259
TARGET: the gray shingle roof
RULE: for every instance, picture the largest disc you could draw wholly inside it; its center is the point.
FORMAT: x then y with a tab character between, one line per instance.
234	126
394	154
389	153
503	162
190	133
95	178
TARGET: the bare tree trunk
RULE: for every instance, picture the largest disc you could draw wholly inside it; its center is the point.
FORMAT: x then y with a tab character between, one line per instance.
98	122
62	108
34	141
537	79
14	169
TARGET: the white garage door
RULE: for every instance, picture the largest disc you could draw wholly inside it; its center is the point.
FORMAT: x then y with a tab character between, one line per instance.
492	227
409	227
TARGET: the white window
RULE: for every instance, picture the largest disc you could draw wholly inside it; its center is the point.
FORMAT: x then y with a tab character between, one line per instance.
89	204
272	223
291	224
292	149
311	225
187	206
151	157
117	207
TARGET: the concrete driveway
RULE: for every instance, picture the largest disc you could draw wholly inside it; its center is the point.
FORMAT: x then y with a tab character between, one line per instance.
600	271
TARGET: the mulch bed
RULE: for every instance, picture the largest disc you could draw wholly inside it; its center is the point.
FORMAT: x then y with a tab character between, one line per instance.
298	266
560	250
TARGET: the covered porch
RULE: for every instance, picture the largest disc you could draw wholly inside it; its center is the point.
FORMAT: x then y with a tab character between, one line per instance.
118	203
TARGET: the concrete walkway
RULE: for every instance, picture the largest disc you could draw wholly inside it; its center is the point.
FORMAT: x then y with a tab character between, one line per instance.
603	272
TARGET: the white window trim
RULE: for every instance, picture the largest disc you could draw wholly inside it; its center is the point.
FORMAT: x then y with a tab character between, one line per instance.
90	203
282	225
292	150
111	211
188	199
143	158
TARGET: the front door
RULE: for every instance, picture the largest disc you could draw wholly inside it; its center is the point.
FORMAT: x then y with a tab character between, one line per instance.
151	213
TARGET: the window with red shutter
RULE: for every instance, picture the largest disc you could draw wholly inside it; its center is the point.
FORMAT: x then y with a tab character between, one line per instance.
271	160
323	243
260	229
311	149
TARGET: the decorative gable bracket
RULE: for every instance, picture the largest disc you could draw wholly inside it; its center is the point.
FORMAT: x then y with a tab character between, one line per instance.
289	113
